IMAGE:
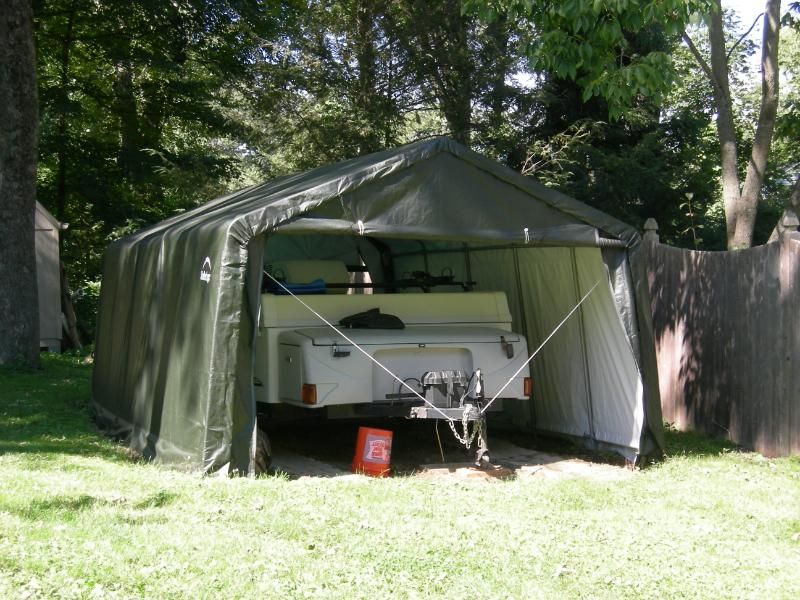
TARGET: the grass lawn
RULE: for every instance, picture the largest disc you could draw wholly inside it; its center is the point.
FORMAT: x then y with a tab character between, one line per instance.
80	519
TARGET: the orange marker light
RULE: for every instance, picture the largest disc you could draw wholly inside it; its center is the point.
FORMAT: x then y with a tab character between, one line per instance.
527	386
309	393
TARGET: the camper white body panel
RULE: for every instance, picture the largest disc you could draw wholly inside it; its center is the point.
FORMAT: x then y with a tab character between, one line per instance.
444	331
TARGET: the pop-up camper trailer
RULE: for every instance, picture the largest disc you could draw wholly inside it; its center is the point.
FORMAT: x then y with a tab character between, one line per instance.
403	350
210	314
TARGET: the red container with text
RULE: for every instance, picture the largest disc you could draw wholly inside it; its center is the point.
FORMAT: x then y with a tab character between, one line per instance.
373	452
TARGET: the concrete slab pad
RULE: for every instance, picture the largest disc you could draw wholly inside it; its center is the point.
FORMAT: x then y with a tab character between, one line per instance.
463	471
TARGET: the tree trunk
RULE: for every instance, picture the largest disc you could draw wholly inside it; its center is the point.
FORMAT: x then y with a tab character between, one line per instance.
366	95
726	131
125	106
71	322
447	44
434	37
19	305
458	102
496	54
748	202
794	199
61	175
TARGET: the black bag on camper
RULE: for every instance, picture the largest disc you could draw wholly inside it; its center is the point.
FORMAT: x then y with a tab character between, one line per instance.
372	319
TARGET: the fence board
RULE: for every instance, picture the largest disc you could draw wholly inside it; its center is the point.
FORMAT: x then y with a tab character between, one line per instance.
791	329
727	330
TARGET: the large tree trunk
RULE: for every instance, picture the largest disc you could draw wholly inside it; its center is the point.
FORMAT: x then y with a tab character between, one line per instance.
61	175
726	130
497	51
125	106
794	198
748	202
492	68
70	325
741	205
19	306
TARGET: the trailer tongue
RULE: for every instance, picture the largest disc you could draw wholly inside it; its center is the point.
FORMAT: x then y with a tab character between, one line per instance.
456	397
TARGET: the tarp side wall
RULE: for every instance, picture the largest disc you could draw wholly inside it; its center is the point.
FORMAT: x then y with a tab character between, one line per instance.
559	372
154	345
614	385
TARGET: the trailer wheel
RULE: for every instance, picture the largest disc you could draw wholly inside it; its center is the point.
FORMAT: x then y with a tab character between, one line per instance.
263	458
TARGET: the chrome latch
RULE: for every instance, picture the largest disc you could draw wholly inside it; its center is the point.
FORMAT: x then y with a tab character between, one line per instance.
339	353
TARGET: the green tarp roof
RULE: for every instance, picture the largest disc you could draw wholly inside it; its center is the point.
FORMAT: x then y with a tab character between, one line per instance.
174	344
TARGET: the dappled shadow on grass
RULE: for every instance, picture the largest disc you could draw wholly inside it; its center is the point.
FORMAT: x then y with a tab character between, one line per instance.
60	508
45	411
690	443
86	445
157	500
33	429
56	508
62	503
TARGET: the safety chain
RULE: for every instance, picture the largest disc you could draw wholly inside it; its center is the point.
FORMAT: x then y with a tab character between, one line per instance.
467	439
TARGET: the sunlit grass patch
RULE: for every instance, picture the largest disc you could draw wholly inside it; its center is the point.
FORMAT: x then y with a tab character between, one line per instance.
79	518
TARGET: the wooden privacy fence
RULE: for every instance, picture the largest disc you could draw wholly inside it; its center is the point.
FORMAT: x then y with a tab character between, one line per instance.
727	331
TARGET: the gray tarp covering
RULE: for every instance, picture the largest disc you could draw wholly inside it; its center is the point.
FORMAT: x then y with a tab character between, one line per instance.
173	368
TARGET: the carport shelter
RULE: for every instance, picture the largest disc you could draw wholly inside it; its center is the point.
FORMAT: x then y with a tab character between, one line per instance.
178	316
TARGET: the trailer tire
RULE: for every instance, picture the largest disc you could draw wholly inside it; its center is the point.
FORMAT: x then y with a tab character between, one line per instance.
263	457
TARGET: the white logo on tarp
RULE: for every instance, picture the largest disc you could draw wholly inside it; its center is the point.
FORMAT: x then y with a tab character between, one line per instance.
205	272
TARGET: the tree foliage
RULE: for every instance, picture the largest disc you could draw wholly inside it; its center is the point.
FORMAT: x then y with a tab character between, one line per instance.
597	43
133	97
592	42
151	107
